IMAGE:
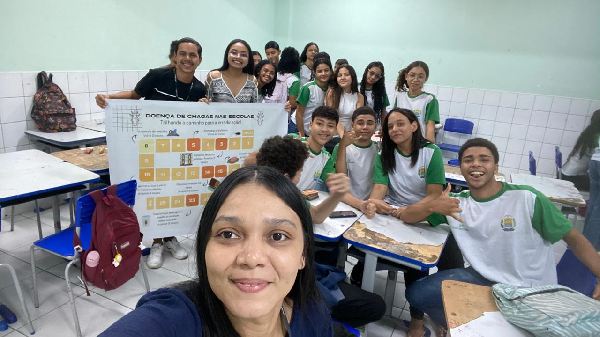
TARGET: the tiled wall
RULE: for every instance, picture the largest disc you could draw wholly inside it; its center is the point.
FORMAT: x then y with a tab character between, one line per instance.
517	123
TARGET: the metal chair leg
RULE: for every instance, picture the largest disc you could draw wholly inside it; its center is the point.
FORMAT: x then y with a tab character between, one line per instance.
12	218
36	300
20	294
143	268
71	209
39	221
71	297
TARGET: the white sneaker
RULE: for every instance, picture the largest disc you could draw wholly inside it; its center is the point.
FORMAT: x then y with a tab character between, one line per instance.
175	249
155	259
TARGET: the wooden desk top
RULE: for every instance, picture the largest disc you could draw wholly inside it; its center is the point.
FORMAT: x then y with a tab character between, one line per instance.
559	191
333	229
95	161
464	302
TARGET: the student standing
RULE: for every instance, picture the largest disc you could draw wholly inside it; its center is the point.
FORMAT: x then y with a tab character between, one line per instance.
308	60
311	96
168	84
591	230
372	87
234	81
343	96
576	168
256	57
264	72
287	84
272	52
410	95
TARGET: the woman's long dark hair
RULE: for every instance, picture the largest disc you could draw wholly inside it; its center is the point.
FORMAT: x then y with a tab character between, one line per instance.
378	91
388	158
267	89
401	84
336	90
289	62
303	56
249	68
304	292
587	139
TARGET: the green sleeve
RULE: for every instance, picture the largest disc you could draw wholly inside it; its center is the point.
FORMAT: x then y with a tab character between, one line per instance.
436	219
396	101
547	220
297	74
435	171
294	90
432	111
386	100
335	154
303	96
329	168
380	177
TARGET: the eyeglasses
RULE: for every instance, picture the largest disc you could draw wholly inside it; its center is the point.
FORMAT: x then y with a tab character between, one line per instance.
235	53
420	77
374	74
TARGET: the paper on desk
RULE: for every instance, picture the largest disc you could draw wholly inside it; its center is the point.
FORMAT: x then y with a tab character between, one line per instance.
491	324
420	234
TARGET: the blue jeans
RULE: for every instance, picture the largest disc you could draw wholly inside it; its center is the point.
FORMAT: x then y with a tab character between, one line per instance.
591	230
426	293
293	128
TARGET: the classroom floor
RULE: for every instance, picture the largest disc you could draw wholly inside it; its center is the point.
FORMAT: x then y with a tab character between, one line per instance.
96	313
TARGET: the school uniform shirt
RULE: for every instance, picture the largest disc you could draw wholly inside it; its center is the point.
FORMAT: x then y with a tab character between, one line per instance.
305	74
160	85
371	103
346	108
576	166
360	164
596	153
425	106
508	237
408	185
285	86
317	166
311	96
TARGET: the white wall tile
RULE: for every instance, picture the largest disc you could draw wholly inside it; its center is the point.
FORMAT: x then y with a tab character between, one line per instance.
561	104
579	107
546	166
12	109
443	118
594	105
475	124
432	89
475	96
14	134
507	171
81	103
512	160
524	165
539	118
84	117
515	145
569	139
501	158
553	136
518	132
508	99
501	129
557	120
97	81
534	147
78	82
29	83
473	111
98	116
505	114
485	128
1	139
444	93
11	84
491	97
500	142
114	81
575	123
488	112
525	101
547	151
543	103
93	106
521	117
588	120
130	79
444	107
62	80
535	133
460	95
451	138
457	110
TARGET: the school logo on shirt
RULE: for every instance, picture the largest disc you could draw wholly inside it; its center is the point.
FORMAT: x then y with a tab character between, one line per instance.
417	113
508	223
422	172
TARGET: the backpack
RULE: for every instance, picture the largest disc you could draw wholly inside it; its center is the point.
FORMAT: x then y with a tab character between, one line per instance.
549	311
115	242
51	110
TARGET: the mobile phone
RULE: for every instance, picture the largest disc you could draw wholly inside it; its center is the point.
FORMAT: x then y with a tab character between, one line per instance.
342	214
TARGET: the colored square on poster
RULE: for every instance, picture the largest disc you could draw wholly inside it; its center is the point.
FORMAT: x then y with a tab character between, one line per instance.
193	144
163	145
162	202
247	132
178	173
192	200
204	198
208	172
146	146
149	203
235	143
163	174
247	143
146	174
208	144
221	143
177	201
221	171
193	173
234	167
146	160
178	145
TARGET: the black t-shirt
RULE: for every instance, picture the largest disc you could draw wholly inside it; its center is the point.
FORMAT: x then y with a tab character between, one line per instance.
160	85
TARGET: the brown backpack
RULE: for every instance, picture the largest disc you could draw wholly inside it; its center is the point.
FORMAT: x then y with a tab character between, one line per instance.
51	110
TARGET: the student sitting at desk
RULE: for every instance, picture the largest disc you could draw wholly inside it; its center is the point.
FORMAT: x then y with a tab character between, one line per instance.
505	231
168	84
256	273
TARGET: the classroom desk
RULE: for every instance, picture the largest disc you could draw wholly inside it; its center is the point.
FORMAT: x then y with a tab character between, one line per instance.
96	162
471	311
76	138
454	176
33	172
93	125
559	191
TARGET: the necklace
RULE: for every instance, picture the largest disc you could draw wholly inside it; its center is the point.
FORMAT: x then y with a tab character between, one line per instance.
177	92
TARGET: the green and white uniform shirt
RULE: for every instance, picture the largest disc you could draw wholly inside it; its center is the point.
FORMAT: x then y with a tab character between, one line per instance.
425	106
305	74
317	166
508	238
369	99
596	152
360	163
408	185
311	96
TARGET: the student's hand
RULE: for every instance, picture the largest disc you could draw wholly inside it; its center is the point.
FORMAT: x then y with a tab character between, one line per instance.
368	208
204	100
382	207
596	294
101	100
338	183
288	106
398	211
348	138
447	205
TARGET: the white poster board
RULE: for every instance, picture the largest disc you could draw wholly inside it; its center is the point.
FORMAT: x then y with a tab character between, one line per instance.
180	151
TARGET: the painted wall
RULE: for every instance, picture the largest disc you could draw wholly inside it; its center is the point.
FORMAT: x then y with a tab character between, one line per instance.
123	35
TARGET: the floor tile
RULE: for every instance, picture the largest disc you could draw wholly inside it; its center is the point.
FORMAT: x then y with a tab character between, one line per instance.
22	269
25	233
11	333
185	267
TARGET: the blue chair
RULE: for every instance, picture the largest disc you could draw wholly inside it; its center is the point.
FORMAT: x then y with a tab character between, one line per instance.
456	125
350	329
574	274
532	164
453	162
558	162
61	244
